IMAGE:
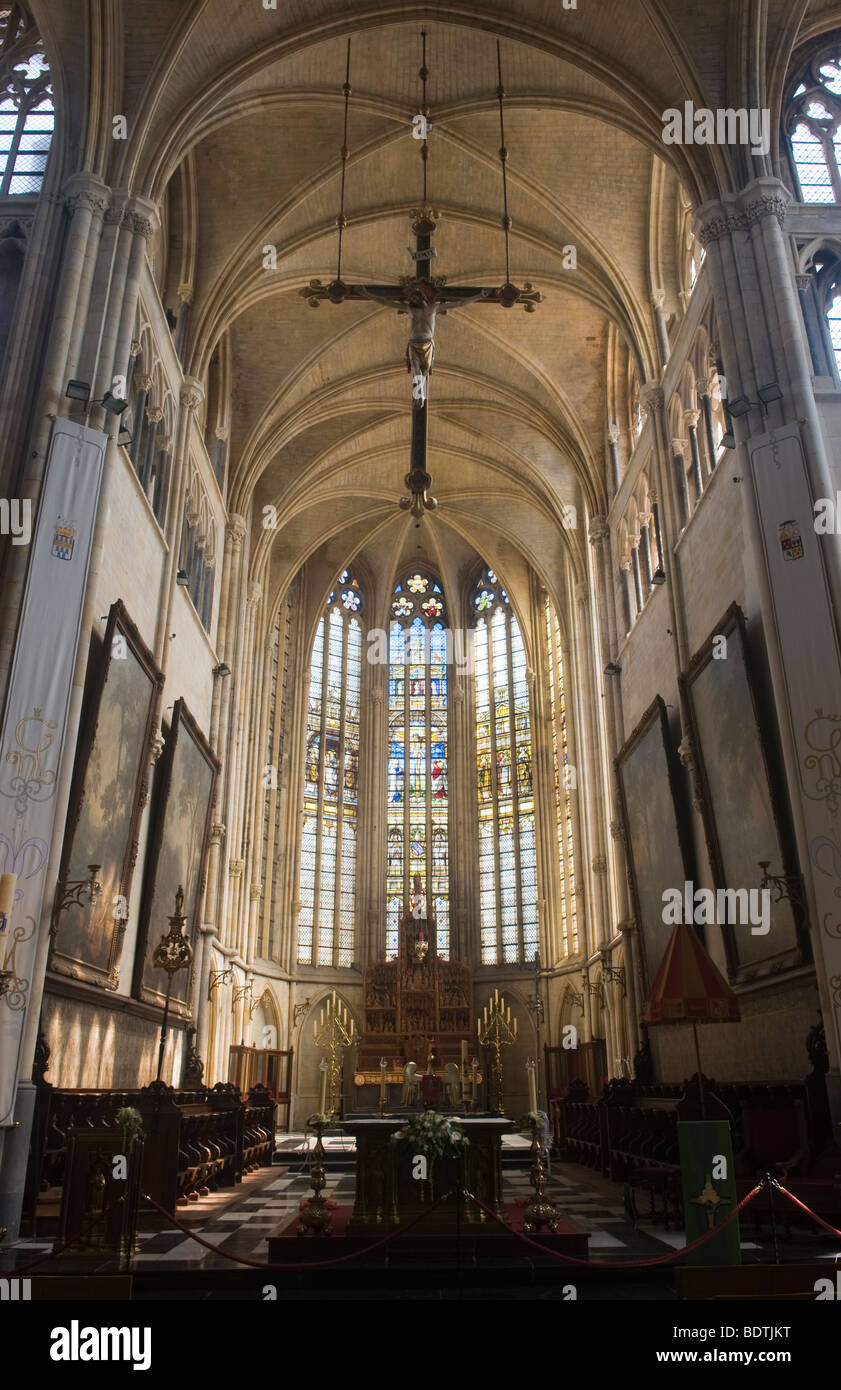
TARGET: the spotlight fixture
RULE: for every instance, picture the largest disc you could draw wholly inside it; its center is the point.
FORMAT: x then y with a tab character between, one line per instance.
728	440
182	578
78	391
115	405
658	577
770	393
741	406
612	669
123	438
221	669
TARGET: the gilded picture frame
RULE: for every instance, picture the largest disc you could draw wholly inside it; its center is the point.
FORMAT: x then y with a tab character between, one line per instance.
109	789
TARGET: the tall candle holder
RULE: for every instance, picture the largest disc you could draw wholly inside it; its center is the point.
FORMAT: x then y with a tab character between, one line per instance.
333	1031
315	1213
540	1211
172	953
496	1030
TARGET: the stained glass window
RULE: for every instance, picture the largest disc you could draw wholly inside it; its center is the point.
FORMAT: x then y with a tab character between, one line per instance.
814	130
331	772
564	778
27	114
507	853
417	813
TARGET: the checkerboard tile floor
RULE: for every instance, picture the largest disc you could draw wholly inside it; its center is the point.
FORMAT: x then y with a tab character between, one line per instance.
271	1200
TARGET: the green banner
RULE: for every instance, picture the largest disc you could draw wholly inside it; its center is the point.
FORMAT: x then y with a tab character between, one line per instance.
709	1190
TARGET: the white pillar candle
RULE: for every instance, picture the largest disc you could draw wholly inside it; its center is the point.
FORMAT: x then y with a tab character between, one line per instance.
322	1094
8	883
531	1071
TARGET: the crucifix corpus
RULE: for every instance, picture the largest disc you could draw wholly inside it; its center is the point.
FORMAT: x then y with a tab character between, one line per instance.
423	295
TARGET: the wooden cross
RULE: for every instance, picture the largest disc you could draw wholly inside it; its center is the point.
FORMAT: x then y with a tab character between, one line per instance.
421	296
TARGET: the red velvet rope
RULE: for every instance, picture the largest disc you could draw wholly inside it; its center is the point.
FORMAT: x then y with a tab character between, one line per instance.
796	1200
307	1264
623	1264
393	1235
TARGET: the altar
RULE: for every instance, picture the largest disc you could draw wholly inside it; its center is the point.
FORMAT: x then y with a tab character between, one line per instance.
388	1193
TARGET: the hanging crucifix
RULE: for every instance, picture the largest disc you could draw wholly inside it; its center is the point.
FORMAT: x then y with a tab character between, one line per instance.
423	295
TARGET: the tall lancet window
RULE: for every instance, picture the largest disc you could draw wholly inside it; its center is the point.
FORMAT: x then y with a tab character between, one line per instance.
565	780
328	843
418	800
27	114
507	855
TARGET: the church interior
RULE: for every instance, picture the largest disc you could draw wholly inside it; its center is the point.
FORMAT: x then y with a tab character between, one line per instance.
422	427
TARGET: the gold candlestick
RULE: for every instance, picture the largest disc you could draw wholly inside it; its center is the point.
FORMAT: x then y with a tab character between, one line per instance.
333	1031
497	1033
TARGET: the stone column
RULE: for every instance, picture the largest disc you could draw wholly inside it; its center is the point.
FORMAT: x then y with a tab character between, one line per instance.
658	535
625	572
645	548
185	299
613	437
679	447
140	423
691	418
635	561
657	302
704	389
763	341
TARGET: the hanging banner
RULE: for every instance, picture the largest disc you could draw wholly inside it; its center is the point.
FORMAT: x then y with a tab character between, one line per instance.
34	722
811	670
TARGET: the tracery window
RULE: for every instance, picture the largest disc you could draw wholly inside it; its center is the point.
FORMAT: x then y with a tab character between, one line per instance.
27	114
564	780
327	884
813	127
418	790
507	853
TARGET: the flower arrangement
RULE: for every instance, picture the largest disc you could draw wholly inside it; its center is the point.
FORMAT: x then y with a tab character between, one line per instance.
437	1136
326	1203
318	1119
131	1123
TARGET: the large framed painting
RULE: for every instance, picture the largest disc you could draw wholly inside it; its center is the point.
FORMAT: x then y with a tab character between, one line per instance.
108	793
655	826
742	800
184	794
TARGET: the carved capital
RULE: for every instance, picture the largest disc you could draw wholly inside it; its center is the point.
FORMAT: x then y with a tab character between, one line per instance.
88	192
731	216
599	864
654	496
192	393
652	399
135	349
686	753
143	381
217	833
613	433
617	830
599	531
185	292
138	224
235	867
256	890
236	529
803	282
658	299
222	432
154	414
679	446
691	418
625	564
255	593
